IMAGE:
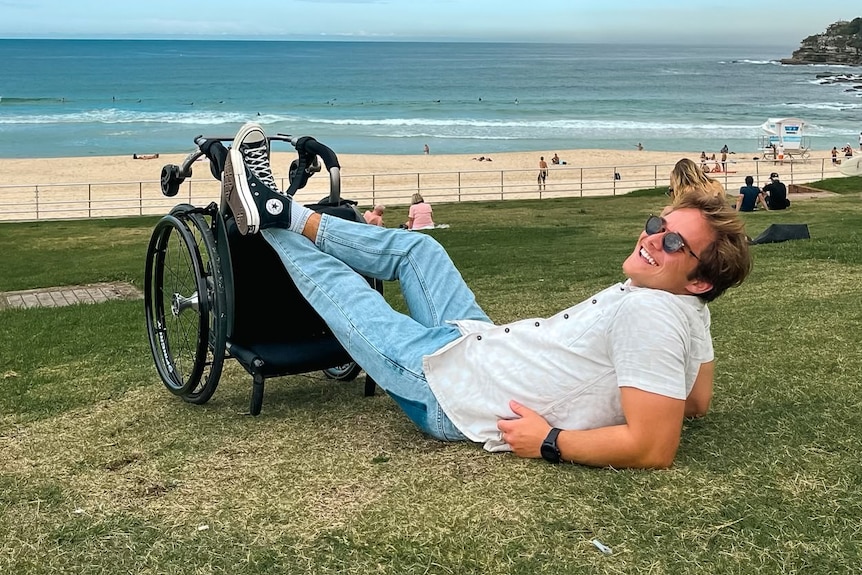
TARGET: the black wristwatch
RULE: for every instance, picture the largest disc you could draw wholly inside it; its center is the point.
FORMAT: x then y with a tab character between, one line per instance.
550	451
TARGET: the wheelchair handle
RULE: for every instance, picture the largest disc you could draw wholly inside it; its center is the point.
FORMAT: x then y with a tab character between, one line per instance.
325	152
306	145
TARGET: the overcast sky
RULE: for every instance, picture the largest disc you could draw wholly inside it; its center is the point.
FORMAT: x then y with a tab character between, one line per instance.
770	22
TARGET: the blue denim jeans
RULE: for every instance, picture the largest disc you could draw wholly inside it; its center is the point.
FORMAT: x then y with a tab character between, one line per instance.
386	343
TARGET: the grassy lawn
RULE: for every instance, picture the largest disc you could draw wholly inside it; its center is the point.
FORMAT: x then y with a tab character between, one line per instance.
103	471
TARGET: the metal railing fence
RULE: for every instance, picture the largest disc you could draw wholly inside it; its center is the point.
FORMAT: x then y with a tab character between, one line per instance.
27	202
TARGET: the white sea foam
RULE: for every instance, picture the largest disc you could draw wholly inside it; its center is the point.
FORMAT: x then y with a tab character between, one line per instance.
834	106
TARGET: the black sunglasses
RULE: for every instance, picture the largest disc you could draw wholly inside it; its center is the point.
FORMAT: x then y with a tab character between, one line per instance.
672	242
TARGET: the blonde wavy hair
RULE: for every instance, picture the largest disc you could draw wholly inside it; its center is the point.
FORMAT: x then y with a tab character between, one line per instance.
687	178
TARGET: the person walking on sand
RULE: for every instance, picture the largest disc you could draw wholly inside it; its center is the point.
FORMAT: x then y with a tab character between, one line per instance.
543	172
427	149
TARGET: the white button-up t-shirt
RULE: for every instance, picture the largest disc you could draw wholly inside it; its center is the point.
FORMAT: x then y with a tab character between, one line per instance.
569	367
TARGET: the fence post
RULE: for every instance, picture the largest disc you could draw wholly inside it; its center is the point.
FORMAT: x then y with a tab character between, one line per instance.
581	183
89	200
140	198
37	202
501	186
459	186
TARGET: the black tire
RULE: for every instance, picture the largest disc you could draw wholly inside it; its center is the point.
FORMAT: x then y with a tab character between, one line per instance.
345	372
216	310
170	180
176	306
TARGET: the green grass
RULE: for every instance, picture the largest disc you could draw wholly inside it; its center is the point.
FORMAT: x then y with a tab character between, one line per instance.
103	471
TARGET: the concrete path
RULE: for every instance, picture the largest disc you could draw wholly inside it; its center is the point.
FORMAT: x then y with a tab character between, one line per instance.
68	295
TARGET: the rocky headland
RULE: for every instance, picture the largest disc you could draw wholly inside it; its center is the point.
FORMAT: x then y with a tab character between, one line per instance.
840	44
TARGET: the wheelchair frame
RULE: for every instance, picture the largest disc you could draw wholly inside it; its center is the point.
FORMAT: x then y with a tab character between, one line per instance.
194	318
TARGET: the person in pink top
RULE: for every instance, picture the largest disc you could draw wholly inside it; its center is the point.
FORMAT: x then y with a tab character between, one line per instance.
375	216
419	216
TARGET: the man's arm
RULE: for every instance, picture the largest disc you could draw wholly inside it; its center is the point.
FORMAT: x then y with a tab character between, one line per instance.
697	402
648	440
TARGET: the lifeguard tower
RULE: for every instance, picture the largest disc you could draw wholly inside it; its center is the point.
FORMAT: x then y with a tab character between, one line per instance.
787	132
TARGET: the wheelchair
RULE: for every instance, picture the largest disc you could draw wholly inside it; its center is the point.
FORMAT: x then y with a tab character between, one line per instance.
206	286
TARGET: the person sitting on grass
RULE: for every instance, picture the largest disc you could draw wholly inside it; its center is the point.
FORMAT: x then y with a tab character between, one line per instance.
686	177
776	193
420	214
606	382
749	195
375	216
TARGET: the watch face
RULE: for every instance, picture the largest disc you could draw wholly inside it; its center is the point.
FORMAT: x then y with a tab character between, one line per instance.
550	453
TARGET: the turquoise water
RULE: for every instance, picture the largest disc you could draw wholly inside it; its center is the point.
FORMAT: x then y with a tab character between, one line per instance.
99	97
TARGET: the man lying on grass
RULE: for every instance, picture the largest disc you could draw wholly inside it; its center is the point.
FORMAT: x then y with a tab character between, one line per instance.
606	382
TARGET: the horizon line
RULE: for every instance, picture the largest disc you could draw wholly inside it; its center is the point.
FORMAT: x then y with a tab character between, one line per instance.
388	40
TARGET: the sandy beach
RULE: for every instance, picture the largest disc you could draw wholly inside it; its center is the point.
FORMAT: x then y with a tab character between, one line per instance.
31	171
121	185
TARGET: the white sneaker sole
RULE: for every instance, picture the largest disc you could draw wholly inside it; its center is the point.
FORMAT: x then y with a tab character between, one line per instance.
239	196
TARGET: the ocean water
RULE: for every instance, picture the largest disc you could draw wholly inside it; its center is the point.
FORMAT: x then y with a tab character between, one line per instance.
107	97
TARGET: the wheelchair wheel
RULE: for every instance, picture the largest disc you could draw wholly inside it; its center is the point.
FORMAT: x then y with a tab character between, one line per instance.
175	304
215	312
345	372
185	304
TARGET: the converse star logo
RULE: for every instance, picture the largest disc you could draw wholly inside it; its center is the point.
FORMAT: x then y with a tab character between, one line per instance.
274	207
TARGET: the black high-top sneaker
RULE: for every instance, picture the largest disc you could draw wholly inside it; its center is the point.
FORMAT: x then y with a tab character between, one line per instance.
248	186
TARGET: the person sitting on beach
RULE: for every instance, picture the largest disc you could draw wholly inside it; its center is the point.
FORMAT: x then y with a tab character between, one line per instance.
716	168
144	156
749	195
419	215
555	160
375	216
605	383
686	177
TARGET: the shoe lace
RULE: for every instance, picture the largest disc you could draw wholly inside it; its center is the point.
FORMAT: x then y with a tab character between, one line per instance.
257	161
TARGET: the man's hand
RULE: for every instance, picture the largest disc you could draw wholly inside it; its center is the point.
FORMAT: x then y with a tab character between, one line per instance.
525	433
